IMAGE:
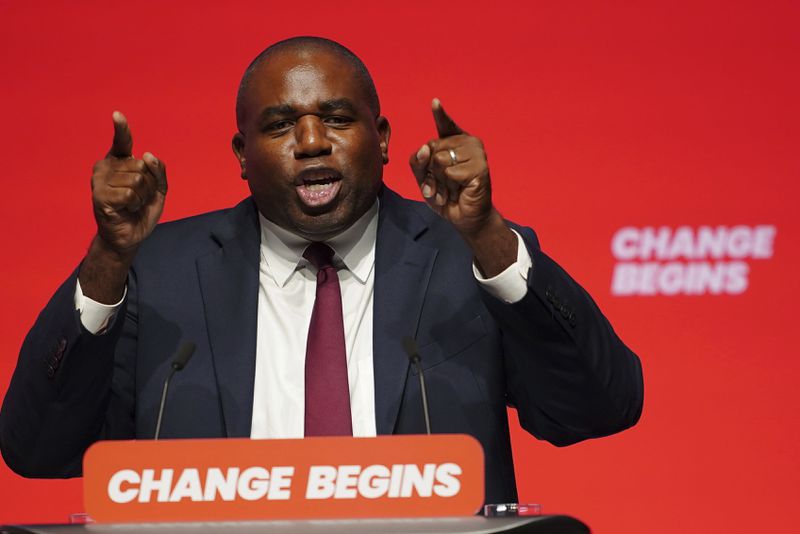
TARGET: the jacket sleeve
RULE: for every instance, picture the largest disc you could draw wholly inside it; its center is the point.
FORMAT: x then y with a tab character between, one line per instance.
68	389
568	374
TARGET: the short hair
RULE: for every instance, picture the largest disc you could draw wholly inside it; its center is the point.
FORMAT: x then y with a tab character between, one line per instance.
307	42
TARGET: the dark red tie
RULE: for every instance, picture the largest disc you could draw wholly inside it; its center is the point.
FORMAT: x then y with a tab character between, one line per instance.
327	389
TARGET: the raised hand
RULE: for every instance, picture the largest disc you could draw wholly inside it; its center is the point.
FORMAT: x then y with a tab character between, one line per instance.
453	176
128	197
127	193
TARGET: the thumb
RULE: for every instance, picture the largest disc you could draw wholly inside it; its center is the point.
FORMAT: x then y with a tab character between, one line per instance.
122	146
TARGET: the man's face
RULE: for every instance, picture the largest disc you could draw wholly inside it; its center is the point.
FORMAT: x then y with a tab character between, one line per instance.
310	145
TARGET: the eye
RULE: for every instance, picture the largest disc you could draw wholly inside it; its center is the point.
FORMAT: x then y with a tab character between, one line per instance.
337	120
278	126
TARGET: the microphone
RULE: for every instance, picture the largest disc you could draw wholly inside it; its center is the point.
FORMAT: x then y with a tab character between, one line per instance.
410	346
182	357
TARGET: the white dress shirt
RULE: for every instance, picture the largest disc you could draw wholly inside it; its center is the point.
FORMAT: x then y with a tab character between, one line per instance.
286	293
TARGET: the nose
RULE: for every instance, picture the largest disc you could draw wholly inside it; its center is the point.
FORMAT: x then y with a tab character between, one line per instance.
311	138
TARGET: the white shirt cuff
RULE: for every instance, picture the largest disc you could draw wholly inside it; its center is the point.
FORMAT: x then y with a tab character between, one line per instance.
95	316
511	285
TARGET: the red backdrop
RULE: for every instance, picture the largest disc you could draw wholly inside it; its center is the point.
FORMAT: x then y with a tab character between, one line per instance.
596	116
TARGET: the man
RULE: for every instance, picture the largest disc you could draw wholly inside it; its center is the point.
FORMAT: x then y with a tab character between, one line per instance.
497	322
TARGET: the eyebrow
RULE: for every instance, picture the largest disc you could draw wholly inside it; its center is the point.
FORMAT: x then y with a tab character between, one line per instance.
281	110
326	106
337	104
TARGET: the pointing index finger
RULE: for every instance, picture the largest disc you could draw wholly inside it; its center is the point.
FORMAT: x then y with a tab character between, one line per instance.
445	126
122	146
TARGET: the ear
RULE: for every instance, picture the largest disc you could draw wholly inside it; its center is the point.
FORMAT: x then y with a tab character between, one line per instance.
237	143
384	133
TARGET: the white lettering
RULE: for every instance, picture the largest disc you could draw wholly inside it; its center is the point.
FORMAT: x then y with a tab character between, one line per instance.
647	278
736	282
253	483
219	484
697	276
654	244
115	491
763	238
670	278
624	244
674	278
347	481
711	242
623	282
257	482
682	244
150	484
374	481
674	262
740	242
321	482
396	481
281	483
421	482
447	482
188	485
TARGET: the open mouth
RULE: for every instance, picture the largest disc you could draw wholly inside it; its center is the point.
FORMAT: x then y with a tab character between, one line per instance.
318	187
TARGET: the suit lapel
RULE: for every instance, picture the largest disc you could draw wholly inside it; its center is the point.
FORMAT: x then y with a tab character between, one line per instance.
229	285
402	270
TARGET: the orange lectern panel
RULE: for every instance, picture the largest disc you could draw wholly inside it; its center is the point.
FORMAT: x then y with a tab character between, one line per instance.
239	479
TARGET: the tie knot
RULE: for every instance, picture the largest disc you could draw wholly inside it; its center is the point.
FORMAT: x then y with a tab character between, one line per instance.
319	255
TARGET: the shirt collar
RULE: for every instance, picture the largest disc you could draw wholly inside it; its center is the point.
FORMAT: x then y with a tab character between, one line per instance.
282	251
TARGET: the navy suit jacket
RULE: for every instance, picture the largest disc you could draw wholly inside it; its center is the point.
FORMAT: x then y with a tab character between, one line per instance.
552	355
